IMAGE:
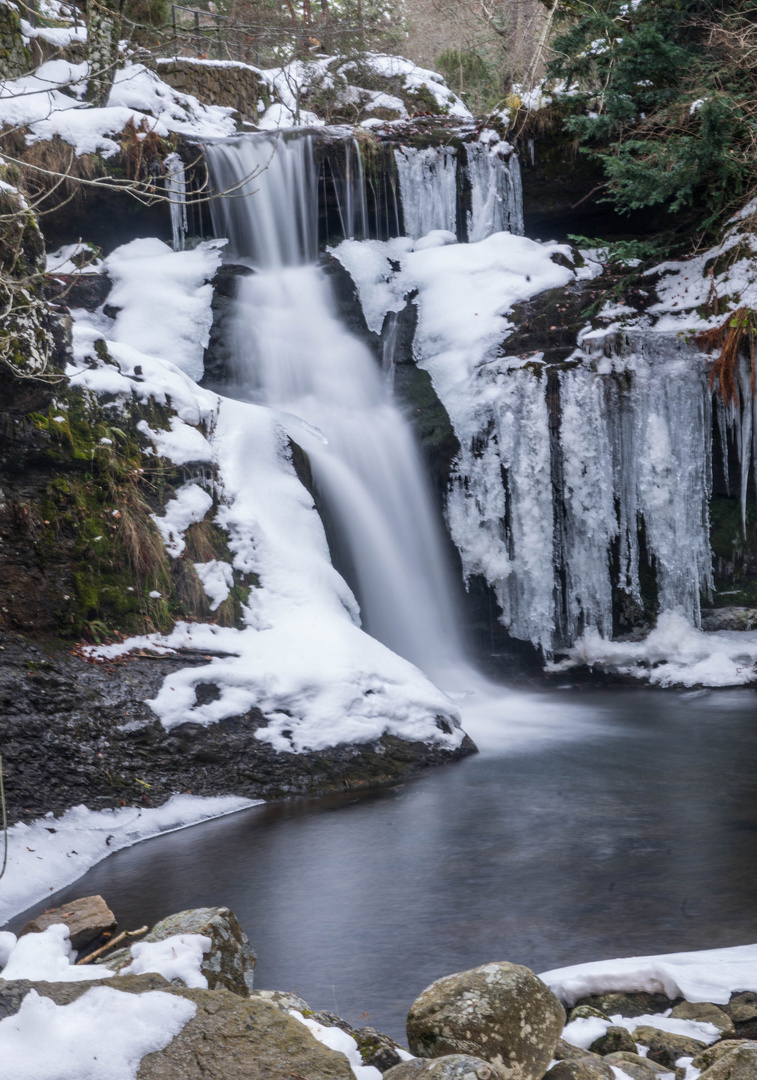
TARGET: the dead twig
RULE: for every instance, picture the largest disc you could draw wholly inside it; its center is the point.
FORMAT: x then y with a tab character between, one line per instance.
110	944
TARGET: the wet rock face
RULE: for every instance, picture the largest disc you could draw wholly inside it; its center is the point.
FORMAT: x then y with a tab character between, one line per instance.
86	920
230	963
500	1012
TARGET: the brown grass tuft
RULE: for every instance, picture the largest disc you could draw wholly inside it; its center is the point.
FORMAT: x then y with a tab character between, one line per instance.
734	336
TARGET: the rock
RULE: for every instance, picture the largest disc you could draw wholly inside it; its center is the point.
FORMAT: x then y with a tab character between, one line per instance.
231	961
500	1012
714	1053
615	1039
585	1068
565	1050
86	919
229	1038
639	1003
635	1066
450	1067
233	1038
706	1013
375	1048
739	1063
665	1048
742	1009
282	1000
584	1012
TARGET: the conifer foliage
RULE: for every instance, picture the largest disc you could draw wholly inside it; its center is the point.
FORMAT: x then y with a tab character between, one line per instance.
669	96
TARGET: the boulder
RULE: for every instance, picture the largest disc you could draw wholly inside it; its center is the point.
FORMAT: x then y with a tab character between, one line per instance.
282	999
231	961
714	1053
739	1063
614	1039
742	1009
450	1067
500	1012
638	1003
87	919
229	1038
706	1013
635	1066
665	1048
585	1068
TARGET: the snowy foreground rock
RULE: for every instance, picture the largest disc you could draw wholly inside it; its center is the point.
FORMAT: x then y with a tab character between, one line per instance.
178	1004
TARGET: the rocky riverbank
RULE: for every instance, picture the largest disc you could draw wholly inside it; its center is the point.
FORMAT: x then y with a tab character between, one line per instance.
186	989
76	731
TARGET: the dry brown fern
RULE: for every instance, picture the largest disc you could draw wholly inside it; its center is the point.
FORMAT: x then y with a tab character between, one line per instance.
734	335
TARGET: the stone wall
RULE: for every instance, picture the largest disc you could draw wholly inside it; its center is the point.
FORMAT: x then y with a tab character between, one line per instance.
237	86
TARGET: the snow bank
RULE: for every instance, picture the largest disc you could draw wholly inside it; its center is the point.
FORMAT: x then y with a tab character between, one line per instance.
582	1032
674	654
709	975
49	102
50	853
48	957
102	1036
177	957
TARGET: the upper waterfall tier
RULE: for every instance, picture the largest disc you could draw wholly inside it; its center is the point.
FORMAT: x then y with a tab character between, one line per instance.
325	187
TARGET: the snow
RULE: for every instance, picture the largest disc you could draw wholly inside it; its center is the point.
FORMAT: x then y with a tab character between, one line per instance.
181	444
164	299
48	103
339	1040
47	854
673	654
59	36
582	1032
102	1036
61	261
176	957
217	580
48	957
707	975
190	505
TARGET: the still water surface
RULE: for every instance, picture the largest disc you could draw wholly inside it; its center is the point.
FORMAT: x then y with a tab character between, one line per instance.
636	835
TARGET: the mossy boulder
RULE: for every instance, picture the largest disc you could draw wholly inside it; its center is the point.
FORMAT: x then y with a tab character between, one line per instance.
635	1066
500	1012
666	1048
614	1040
636	1003
714	1053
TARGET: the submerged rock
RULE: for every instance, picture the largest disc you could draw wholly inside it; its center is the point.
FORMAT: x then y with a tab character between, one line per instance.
86	920
230	963
501	1012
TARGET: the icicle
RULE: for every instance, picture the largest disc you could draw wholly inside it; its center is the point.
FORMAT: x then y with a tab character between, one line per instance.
723	432
176	188
428	189
496	191
746	434
505	531
590	523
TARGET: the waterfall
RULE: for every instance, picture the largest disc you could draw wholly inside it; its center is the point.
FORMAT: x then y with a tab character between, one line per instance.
176	189
297	358
350	193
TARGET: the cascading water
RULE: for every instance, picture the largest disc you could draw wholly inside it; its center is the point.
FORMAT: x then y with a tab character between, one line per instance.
299	359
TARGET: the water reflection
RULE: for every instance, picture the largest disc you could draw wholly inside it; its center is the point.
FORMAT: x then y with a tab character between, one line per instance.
639	837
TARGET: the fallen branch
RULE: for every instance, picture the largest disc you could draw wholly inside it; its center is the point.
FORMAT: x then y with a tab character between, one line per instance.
109	945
